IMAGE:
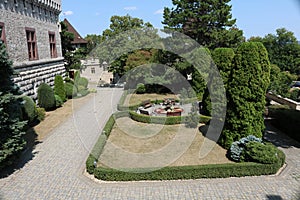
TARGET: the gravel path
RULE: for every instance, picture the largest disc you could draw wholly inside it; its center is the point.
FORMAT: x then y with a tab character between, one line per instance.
56	171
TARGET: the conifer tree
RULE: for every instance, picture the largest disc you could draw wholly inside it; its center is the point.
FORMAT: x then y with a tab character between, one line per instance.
11	127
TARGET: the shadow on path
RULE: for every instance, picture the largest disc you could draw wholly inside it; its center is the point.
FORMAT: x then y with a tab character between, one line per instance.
25	157
277	137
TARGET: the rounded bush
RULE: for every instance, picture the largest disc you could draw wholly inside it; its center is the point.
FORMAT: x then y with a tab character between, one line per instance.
237	147
59	88
261	153
71	90
58	101
41	114
140	88
29	109
46	98
82	81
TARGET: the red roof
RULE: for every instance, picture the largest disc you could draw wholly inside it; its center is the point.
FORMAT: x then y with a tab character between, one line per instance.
77	37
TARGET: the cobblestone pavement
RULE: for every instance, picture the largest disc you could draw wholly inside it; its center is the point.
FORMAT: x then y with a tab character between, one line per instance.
56	171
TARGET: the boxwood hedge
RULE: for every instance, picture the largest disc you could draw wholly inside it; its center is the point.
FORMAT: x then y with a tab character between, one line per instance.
174	173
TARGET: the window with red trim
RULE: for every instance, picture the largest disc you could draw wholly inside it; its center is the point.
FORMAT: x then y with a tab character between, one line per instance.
31	43
52	42
2	32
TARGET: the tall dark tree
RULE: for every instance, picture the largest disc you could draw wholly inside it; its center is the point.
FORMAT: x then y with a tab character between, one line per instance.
209	22
11	126
72	60
248	83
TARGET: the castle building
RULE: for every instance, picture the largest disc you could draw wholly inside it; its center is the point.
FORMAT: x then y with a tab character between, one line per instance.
30	31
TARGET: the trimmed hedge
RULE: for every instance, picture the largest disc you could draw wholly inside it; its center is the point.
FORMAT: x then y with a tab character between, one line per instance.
174	173
164	120
98	148
29	109
71	90
59	88
46	97
193	172
286	120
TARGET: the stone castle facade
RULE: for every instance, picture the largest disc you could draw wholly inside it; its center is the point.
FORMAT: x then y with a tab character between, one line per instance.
30	30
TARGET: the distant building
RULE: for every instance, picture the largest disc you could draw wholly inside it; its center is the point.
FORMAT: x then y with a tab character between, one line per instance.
30	31
78	41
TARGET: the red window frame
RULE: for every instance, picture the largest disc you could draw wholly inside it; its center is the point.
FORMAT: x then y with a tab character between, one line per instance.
2	33
31	44
52	42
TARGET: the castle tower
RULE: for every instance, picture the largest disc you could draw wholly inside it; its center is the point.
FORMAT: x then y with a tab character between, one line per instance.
30	30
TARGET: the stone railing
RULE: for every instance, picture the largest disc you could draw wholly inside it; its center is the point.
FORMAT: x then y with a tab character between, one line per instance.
285	101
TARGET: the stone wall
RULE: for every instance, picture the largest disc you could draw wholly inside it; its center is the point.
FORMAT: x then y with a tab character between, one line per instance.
30	77
42	16
29	15
284	101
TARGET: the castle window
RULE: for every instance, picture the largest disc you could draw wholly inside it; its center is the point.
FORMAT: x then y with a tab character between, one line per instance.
31	43
2	32
52	42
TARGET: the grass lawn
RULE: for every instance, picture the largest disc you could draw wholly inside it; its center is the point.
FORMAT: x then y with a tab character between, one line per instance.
140	138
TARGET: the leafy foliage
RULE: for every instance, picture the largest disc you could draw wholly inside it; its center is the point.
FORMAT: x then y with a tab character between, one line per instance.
29	109
246	93
71	90
41	112
261	153
59	88
72	61
223	58
58	101
46	97
283	49
140	88
237	148
209	22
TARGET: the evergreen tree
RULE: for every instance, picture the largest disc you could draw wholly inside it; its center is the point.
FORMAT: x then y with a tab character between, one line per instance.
247	87
59	88
209	22
222	58
11	128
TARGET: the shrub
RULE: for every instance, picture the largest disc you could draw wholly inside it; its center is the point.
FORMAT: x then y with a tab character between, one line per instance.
92	90
83	93
193	172
59	88
82	81
140	88
46	98
261	153
69	80
41	114
29	109
237	148
71	90
58	101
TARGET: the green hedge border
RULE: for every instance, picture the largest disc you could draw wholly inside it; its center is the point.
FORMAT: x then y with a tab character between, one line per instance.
164	120
193	172
174	173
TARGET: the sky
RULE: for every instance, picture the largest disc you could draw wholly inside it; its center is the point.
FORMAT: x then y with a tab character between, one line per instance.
254	17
